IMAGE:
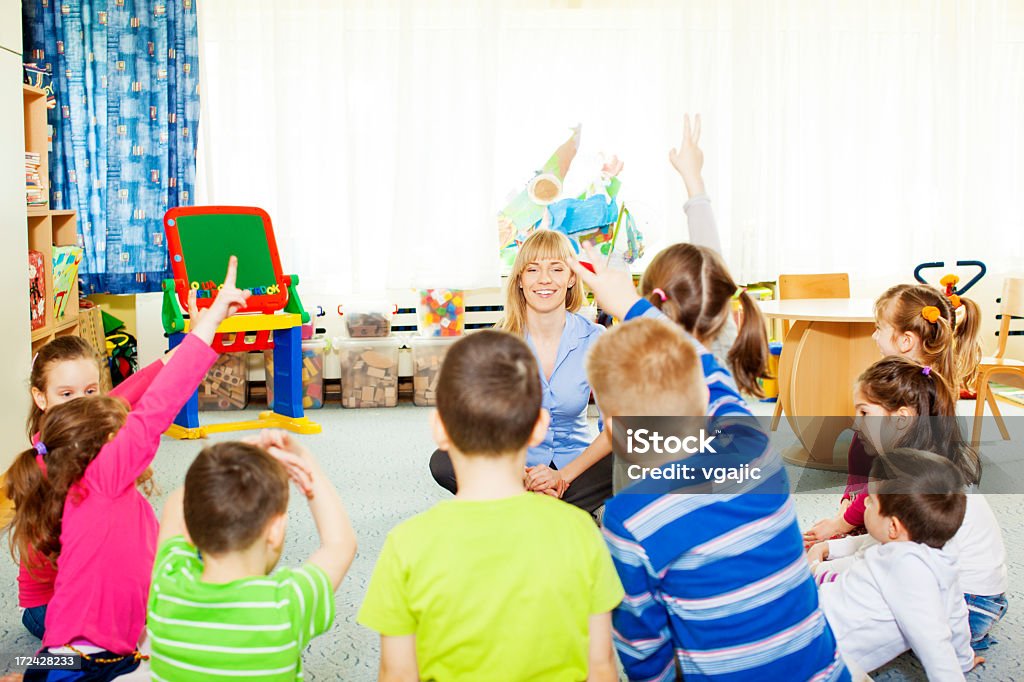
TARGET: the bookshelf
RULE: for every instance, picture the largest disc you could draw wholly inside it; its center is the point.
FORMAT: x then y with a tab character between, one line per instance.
48	228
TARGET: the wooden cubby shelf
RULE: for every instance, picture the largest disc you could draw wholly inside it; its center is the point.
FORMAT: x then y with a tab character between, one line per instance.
46	228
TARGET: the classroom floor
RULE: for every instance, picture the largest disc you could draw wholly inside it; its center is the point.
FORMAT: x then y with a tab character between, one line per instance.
378	460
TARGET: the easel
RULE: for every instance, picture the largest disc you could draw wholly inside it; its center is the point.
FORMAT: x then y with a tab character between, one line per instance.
200	239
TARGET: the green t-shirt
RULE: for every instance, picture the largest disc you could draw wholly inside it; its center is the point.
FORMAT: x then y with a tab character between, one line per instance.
494	590
255	628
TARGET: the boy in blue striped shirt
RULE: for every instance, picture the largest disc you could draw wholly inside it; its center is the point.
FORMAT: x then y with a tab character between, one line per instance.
717	586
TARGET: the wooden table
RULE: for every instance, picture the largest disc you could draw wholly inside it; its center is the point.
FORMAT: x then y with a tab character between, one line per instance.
828	345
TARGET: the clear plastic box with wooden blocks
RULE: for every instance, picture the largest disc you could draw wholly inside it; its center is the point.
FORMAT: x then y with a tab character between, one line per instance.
427	355
313	353
369	371
370	319
226	386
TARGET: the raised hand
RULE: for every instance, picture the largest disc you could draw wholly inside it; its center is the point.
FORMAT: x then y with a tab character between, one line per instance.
613	288
285	449
230	299
688	159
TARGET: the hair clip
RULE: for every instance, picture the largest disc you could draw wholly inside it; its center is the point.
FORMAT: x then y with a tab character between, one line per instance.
930	313
40	448
926	370
661	293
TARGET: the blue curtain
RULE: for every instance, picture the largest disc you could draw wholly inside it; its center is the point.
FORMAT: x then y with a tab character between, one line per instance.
126	78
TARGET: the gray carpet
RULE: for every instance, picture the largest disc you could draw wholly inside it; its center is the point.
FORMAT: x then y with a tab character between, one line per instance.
378	460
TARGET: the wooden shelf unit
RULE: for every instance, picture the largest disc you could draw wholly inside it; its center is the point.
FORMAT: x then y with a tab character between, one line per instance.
46	228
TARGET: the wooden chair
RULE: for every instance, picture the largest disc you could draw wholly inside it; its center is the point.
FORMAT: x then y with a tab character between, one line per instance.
1012	305
831	285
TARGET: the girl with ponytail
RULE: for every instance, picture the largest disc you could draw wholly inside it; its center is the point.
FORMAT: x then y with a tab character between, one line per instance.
692	287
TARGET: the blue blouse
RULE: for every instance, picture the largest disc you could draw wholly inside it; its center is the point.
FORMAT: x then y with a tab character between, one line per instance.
566	395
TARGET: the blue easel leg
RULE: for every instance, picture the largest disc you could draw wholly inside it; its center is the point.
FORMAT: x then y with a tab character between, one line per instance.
189	416
288	372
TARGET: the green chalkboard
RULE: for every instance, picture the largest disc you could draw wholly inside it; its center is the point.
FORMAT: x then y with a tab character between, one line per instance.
201	239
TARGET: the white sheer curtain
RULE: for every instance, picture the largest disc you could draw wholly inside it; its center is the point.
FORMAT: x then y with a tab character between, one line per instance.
382	136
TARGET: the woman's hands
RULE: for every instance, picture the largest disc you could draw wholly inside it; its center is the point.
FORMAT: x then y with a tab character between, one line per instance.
544	479
688	159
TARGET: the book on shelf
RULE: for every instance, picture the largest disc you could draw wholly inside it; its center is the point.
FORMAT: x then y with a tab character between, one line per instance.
35	192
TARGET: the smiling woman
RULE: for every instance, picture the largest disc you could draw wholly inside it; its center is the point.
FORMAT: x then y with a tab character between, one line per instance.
542	301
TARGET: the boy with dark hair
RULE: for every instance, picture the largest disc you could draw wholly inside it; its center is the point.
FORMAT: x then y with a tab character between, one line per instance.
904	592
497	583
215	609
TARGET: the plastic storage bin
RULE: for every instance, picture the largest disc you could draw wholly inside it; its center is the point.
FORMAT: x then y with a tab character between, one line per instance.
442	312
226	386
368	320
313	353
369	372
427	355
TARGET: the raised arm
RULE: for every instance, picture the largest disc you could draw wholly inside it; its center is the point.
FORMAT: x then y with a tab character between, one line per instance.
688	160
337	538
132	449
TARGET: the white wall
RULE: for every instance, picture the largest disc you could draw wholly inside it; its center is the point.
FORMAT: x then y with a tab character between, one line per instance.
14	341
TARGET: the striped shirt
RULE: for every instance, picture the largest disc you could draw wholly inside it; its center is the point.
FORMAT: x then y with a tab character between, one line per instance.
253	629
718	584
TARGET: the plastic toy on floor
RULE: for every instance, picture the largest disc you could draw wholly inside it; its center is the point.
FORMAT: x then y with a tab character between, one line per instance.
200	239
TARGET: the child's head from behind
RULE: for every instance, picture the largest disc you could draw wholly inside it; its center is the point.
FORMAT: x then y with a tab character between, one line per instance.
903	404
692	286
64	369
71	434
489	396
918	321
916	496
646	368
236	499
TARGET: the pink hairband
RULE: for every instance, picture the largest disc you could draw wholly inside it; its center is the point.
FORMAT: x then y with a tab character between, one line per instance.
661	293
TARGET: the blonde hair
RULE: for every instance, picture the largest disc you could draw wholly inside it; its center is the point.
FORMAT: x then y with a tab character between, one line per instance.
541	245
949	345
663	372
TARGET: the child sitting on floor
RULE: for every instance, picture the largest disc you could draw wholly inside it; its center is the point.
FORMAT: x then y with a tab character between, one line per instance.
496	583
918	322
88	516
64	369
904	593
902	404
220	538
716	584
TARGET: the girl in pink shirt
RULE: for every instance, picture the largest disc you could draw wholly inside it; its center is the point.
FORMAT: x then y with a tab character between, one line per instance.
86	513
64	369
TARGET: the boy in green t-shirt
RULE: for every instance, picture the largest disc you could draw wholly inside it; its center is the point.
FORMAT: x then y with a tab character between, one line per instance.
216	612
497	583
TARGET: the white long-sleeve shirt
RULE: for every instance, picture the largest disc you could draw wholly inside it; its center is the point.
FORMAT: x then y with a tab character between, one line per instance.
900	596
977	548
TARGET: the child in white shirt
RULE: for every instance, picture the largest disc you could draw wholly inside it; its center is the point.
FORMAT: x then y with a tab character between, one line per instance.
904	593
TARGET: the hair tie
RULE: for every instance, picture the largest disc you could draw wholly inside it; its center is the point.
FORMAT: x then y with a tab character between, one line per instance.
954	301
926	370
661	293
930	313
40	448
